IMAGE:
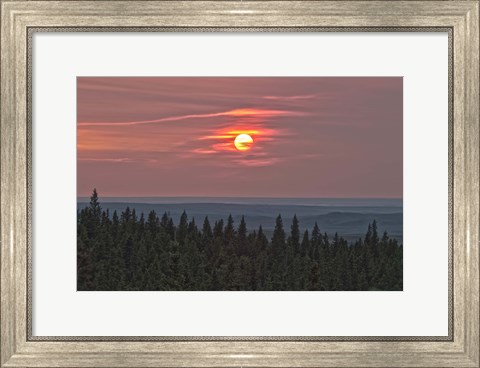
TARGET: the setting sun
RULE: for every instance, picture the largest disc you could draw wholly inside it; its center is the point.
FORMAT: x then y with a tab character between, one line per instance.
243	142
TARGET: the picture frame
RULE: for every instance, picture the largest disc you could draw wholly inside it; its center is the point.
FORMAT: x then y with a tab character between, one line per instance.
21	19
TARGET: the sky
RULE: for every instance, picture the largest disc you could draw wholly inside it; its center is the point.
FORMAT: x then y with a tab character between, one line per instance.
317	137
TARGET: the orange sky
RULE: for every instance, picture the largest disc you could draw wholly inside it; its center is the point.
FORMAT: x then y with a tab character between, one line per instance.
174	136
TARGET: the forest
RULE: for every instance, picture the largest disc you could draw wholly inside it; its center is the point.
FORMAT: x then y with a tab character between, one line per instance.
129	251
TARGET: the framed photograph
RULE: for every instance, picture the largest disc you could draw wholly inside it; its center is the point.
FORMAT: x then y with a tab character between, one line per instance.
229	183
233	168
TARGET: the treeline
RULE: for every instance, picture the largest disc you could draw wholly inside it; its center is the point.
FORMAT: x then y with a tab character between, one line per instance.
131	252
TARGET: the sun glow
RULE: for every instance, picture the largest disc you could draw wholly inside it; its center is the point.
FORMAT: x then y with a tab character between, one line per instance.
243	142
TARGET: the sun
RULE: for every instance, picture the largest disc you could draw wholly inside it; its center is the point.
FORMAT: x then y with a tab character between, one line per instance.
243	142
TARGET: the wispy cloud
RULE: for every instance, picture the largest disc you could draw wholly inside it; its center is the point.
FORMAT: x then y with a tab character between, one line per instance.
259	123
175	136
243	112
122	159
256	162
290	98
204	151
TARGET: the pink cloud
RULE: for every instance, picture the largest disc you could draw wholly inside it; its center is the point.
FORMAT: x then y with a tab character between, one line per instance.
122	159
174	136
290	98
243	112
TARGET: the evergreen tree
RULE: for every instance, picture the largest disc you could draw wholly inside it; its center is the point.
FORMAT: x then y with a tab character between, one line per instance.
242	245
207	237
305	246
229	240
278	255
131	252
182	229
294	239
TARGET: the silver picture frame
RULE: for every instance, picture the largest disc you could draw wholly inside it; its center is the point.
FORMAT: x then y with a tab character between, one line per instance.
20	20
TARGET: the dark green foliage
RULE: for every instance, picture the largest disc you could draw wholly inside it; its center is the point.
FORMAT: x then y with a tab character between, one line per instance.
129	252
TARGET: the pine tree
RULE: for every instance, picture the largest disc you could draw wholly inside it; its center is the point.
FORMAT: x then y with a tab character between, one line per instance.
242	245
129	252
229	240
279	259
315	243
95	208
207	237
305	246
294	239
182	229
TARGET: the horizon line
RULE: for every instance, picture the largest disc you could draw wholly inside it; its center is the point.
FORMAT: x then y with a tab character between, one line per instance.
263	197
